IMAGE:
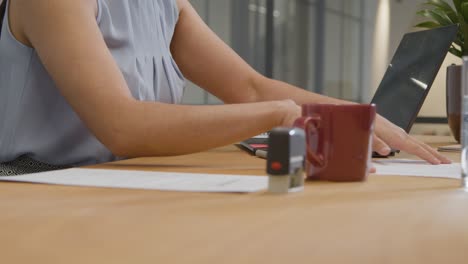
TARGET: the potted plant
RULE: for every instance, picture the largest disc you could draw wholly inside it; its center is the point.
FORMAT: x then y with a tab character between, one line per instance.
441	13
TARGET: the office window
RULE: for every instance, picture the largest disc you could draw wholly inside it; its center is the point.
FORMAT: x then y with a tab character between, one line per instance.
317	45
217	14
343	39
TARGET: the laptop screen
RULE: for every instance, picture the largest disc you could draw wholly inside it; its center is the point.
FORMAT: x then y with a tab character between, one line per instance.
411	73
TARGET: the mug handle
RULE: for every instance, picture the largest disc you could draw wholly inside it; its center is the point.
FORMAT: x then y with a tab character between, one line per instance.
311	125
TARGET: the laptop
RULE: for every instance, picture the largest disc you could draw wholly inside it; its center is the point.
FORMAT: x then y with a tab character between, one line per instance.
406	82
411	73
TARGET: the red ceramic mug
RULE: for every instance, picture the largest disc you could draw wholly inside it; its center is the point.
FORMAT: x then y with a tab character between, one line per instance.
339	140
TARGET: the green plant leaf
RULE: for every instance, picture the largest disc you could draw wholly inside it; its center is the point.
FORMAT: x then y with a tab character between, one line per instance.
453	17
464	10
443	15
445	7
455	47
428	24
463	26
458	42
455	52
460	35
436	15
457	4
440	3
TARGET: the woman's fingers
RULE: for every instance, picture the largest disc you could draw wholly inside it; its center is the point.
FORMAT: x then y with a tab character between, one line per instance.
397	138
380	147
412	146
432	151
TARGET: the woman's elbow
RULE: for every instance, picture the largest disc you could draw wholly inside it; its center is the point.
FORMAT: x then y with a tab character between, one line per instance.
116	135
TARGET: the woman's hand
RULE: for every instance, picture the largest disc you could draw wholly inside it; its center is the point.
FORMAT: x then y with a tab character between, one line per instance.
291	113
387	136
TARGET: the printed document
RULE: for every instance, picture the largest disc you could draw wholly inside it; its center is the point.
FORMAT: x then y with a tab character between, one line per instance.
164	181
416	168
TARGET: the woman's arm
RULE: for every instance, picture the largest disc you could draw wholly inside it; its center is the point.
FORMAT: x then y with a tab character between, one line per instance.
211	64
67	39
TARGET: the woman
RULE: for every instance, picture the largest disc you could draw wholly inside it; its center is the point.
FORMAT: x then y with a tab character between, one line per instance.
88	81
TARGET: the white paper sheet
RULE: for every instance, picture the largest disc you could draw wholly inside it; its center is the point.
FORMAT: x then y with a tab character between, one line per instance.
417	168
164	181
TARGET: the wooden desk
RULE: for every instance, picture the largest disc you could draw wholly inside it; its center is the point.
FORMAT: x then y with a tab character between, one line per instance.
384	220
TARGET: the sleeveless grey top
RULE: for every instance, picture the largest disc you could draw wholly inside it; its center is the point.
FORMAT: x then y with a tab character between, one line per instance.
36	121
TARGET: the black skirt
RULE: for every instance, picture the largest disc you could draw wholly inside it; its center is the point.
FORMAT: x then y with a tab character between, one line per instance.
26	165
